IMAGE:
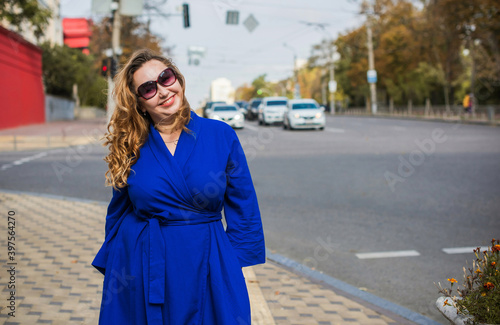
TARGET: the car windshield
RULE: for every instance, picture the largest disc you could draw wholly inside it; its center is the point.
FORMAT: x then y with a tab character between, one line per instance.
304	106
276	103
225	108
213	103
256	103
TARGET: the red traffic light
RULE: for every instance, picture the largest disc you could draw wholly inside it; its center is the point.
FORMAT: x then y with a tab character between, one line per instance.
104	67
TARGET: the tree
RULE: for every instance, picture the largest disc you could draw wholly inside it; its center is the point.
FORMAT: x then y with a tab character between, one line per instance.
310	83
64	67
244	92
19	13
350	69
134	35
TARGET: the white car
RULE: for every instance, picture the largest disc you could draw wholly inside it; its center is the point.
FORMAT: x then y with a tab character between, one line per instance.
304	114
272	110
229	113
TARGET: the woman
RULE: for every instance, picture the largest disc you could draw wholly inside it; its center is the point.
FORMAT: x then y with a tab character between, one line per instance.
166	257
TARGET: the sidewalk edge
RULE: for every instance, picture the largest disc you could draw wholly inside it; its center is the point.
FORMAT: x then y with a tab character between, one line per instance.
54	196
350	290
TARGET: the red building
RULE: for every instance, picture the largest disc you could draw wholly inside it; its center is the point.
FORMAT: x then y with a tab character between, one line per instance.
77	33
23	99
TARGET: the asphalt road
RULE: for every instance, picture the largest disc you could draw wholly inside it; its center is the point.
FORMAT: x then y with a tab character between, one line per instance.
362	186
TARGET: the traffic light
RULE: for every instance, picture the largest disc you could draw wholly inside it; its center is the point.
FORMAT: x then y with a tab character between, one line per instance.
105	67
185	14
113	68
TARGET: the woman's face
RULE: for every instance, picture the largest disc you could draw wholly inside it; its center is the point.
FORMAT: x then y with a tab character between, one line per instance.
167	100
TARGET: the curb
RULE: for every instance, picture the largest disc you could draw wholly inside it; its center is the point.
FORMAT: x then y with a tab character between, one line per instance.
351	291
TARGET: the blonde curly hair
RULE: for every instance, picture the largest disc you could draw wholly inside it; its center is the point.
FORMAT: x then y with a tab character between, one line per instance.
128	129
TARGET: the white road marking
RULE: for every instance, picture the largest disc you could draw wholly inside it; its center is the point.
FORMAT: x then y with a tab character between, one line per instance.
24	160
363	256
463	250
334	130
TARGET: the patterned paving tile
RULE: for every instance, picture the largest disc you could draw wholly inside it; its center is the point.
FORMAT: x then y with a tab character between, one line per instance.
296	300
56	240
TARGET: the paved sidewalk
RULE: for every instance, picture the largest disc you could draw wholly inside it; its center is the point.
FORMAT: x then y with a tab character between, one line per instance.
57	238
52	135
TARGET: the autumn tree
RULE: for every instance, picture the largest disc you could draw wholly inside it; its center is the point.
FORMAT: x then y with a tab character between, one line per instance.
22	13
244	92
134	35
474	26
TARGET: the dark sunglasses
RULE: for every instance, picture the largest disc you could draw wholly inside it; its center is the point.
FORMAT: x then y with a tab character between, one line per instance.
149	89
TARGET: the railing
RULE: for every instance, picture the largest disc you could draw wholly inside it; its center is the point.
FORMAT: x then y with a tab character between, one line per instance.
482	113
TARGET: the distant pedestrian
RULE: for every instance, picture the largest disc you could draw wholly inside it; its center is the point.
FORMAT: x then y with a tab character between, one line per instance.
467	103
167	258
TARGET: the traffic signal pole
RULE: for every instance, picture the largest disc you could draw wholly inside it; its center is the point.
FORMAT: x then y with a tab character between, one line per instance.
115	46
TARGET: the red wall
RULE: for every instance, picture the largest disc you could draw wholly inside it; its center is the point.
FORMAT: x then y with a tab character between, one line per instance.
22	99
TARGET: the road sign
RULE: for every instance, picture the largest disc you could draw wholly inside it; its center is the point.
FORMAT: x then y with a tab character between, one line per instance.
251	23
232	17
332	86
371	75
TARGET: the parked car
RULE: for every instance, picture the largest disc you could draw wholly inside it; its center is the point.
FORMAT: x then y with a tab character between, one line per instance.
272	110
304	114
229	113
208	106
253	108
243	104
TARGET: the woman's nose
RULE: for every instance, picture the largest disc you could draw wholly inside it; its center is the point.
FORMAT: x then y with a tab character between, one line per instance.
162	90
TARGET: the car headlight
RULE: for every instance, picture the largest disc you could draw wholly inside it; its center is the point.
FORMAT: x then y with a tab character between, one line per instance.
296	115
237	117
318	115
216	117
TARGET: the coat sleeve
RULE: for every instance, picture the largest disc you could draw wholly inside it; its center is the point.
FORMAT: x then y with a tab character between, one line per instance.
118	208
241	209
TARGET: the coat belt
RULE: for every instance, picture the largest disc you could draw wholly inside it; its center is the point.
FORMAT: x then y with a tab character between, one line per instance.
155	278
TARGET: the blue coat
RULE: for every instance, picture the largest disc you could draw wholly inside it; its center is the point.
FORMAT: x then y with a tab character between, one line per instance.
167	258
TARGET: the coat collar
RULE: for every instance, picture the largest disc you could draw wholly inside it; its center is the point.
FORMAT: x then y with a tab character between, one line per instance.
172	165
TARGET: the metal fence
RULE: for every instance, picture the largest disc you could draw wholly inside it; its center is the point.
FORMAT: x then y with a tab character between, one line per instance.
484	113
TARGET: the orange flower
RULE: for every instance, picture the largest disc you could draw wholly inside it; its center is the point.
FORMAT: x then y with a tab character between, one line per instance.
452	280
478	271
493	263
483	294
489	285
495	248
445	303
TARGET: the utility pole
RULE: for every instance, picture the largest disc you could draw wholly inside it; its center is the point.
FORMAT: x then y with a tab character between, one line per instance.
332	85
371	66
330	50
115	52
296	93
371	73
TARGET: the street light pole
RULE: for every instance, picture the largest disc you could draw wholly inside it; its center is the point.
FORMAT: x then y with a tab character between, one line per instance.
296	93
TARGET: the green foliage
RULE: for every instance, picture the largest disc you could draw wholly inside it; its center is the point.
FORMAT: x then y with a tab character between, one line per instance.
59	69
261	84
479	296
63	67
19	12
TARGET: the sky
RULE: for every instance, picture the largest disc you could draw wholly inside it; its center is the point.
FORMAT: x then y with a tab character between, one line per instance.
232	51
